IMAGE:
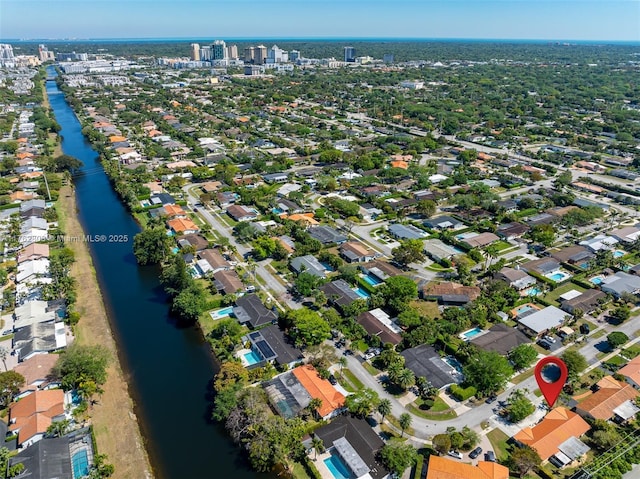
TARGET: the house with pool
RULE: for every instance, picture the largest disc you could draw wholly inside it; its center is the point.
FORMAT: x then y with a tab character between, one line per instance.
540	322
621	283
269	345
449	293
515	278
424	361
351	450
548	267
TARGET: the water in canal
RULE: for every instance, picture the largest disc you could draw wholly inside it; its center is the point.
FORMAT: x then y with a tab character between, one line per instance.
169	369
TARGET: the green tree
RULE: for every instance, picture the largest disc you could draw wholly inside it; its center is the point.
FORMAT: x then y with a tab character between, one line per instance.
6	471
409	251
441	443
397	457
318	446
64	163
519	406
544	234
487	371
621	313
384	408
189	303
78	364
10	384
617	339
397	292
58	428
151	246
230	375
524	459
309	327
225	401
306	283
523	356
404	420
575	362
101	468
362	402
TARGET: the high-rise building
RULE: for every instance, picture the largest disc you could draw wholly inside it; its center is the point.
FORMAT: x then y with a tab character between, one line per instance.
277	55
44	54
6	54
219	50
195	52
294	55
261	55
349	54
388	58
249	54
232	52
205	53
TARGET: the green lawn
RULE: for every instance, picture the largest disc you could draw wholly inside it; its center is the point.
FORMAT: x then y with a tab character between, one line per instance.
501	245
498	440
617	361
443	415
352	379
632	351
553	296
521	377
428	308
370	368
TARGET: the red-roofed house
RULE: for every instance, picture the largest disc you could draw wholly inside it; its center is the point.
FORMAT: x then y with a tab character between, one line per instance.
32	415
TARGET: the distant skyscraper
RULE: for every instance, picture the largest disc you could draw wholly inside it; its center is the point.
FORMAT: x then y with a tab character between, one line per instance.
232	52
45	54
219	50
205	53
349	54
195	52
249	54
294	55
278	55
388	58
6	52
261	55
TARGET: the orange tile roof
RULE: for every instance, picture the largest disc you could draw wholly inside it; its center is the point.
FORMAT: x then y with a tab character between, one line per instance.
400	164
21	140
319	388
612	393
31	174
443	468
182	224
33	413
557	426
21	195
174	210
35	368
303	217
117	138
24	154
632	370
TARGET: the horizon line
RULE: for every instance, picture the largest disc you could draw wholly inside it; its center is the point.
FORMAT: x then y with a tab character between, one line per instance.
324	38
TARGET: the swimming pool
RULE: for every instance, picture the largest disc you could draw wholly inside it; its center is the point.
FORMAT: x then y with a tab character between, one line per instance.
362	293
80	463
596	280
558	276
252	358
467	335
372	280
221	313
618	253
533	291
337	468
524	308
175	249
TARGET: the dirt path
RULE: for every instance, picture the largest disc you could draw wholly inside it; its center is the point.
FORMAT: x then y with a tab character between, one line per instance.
116	428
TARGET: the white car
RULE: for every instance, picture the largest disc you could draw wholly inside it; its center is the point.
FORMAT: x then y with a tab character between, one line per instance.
369	356
455	454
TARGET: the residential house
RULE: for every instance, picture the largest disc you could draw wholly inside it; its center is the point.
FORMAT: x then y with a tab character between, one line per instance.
182	226
547	437
174	211
621	283
34	251
162	199
227	282
326	235
287	243
356	252
511	231
438	250
214	260
586	302
449	293
308	264
480	240
30	417
540	322
577	255
339	293
196	241
250	310
288	206
631	371
444	468
541	219
292	391
356	444
274	346
381	270
443	222
627	234
30	271
542	266
424	361
39	338
33	312
37	373
500	338
242	213
404	232
276	177
378	324
226	198
600	242
516	278
611	395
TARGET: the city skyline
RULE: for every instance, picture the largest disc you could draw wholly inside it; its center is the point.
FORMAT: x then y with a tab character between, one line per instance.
579	20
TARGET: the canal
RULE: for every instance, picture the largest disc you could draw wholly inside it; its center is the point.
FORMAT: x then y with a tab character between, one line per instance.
169	369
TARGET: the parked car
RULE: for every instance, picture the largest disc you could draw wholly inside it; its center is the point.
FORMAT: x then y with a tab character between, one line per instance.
551	339
455	454
491	399
585	329
368	356
333	380
6	332
545	344
490	456
475	453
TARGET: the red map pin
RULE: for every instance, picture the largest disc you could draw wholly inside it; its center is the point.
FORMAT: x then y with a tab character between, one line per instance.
551	375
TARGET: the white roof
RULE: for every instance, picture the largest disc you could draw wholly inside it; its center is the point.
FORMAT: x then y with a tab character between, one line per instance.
545	319
570	295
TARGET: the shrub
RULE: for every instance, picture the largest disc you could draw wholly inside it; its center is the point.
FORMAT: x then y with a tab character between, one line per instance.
462	394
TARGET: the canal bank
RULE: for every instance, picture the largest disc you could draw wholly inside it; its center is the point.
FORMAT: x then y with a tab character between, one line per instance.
168	369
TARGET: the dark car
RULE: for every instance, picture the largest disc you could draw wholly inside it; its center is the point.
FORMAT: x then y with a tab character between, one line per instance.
545	344
348	352
333	380
585	329
491	399
475	453
490	456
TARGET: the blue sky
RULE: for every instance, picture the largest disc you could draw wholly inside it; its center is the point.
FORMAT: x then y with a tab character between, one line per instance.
616	20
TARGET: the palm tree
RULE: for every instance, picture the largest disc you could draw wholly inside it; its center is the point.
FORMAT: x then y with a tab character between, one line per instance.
314	405
318	446
3	356
406	378
384	408
342	361
58	428
405	421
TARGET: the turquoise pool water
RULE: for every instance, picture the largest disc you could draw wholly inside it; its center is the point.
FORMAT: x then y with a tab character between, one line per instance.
175	249
596	280
221	313
523	309
252	358
618	254
80	464
533	291
337	468
362	293
557	276
372	280
471	333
